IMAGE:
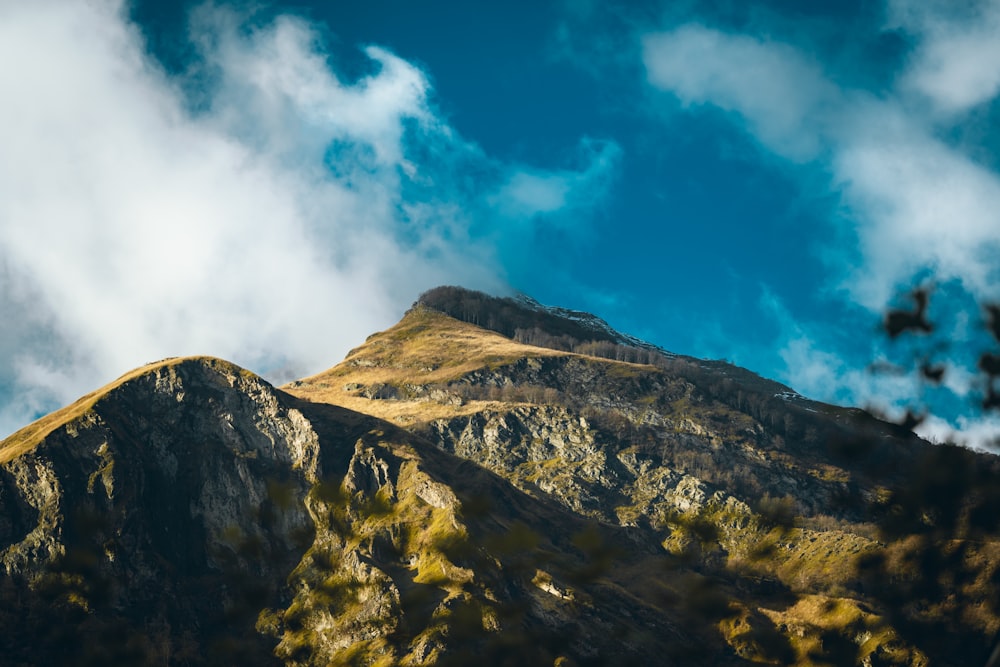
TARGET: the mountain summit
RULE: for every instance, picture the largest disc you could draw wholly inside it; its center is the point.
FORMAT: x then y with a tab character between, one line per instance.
489	481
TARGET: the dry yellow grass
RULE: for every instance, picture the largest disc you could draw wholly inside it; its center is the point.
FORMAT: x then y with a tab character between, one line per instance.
403	413
429	347
812	615
822	612
805	560
30	436
424	348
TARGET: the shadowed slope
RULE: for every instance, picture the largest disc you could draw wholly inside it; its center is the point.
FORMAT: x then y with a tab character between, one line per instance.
735	475
192	514
30	436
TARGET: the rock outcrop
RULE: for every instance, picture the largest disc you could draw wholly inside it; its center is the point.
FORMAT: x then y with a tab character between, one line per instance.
193	514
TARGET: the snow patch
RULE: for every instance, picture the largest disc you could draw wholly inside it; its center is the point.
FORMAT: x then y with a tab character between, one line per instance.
592	322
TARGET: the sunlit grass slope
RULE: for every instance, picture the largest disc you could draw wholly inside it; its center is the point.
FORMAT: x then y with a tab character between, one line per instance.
425	348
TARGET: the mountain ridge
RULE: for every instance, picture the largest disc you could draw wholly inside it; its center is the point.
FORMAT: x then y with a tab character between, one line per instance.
585	328
448	493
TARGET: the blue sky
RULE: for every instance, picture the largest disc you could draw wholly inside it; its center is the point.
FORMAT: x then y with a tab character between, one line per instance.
749	181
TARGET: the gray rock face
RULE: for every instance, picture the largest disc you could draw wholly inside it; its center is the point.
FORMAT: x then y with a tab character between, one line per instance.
29	503
598	436
174	490
194	442
197	515
549	452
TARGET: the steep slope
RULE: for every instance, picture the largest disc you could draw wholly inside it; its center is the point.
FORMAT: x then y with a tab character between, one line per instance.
192	514
448	494
738	475
504	404
137	502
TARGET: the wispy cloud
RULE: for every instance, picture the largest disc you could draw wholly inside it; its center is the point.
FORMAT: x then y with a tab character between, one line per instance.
264	209
528	193
916	203
780	95
980	433
956	61
891	384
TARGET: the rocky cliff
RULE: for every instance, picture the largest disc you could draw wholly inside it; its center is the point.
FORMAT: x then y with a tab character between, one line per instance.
448	494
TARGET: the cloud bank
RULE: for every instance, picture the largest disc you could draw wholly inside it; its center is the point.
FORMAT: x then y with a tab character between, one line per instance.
261	209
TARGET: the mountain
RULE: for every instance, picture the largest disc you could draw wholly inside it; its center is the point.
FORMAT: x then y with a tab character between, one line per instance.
490	481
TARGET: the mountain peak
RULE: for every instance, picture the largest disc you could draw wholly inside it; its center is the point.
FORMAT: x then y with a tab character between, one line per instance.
521	315
31	435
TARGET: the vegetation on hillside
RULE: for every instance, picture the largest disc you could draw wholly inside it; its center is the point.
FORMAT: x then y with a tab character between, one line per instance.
557	494
938	575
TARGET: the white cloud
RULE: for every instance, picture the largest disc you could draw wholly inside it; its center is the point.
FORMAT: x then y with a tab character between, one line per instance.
773	87
817	373
528	192
536	194
276	222
809	367
982	433
956	62
919	204
915	202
